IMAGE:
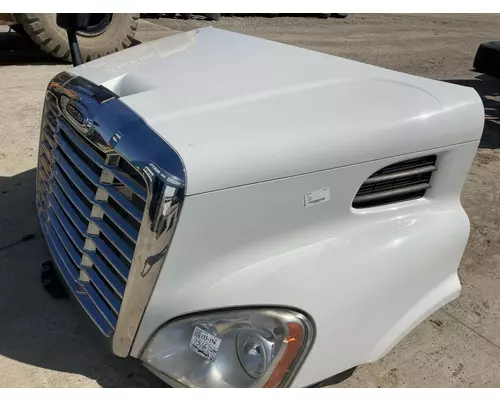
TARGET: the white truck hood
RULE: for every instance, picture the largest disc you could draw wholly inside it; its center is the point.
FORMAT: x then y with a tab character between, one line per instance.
242	110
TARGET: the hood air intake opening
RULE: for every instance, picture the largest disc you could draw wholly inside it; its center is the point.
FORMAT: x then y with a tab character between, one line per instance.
403	181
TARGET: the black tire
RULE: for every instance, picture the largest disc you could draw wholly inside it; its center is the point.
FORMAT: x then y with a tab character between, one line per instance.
487	59
43	30
324	16
339	15
187	15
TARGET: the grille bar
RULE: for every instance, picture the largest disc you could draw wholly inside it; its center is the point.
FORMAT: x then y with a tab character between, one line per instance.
45	164
97	159
108	315
48	152
60	223
391	194
65	268
86	213
401	174
76	257
120	222
118	242
61	199
47	136
79	243
51	122
92	176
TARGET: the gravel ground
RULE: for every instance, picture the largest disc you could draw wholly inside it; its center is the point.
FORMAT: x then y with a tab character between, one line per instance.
50	343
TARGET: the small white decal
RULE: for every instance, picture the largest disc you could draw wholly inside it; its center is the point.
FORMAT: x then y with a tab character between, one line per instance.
204	344
316	197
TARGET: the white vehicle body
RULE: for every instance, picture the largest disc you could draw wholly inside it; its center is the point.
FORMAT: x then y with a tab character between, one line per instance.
258	126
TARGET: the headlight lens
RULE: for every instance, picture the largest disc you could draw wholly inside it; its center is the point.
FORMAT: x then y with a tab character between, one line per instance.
243	348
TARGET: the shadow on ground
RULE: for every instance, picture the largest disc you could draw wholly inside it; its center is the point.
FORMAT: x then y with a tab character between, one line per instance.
37	329
489	90
18	49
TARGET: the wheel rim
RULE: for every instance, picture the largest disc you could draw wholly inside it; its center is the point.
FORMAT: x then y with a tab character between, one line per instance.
97	25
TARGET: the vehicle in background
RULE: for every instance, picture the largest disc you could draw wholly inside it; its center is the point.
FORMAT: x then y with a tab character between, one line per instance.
106	33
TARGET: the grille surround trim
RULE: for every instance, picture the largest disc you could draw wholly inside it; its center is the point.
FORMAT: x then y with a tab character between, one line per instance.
109	128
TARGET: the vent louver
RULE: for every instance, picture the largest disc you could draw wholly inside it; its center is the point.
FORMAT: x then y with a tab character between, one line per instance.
406	180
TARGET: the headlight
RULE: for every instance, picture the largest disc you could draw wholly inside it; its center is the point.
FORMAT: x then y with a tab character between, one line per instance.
244	348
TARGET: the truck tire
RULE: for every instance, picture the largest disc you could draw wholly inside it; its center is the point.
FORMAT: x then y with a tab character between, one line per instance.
113	33
487	59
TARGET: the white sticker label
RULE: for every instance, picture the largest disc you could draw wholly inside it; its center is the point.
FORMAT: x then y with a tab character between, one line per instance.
316	197
204	344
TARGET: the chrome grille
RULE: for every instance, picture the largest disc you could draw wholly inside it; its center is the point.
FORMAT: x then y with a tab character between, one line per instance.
91	205
406	180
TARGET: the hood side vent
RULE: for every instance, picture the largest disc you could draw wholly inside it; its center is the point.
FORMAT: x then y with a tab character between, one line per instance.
403	181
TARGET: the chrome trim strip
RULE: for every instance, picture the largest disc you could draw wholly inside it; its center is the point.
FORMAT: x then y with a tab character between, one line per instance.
155	236
111	127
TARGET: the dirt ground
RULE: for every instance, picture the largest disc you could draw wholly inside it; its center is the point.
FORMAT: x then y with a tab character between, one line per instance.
51	343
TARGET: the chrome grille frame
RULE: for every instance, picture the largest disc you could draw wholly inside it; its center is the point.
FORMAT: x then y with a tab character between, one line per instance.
107	229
